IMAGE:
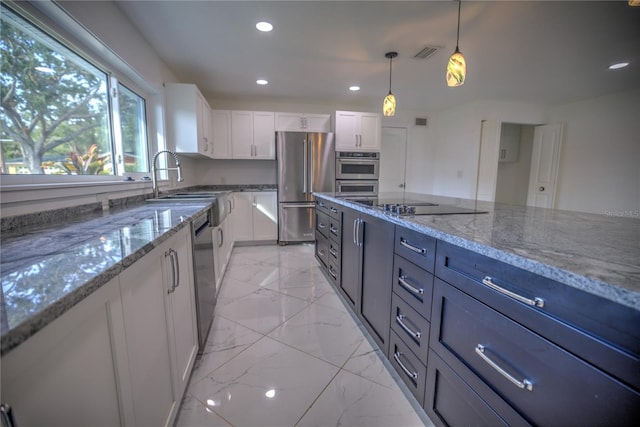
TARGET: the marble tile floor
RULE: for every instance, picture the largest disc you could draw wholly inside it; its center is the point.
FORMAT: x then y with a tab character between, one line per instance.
284	351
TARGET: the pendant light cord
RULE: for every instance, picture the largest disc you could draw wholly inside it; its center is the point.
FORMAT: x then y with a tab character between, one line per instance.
458	33
390	60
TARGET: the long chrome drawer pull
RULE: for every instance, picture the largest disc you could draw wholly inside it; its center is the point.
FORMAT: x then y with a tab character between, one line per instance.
334	210
408	330
536	302
321	252
333	274
321	225
169	254
412	375
333	252
409	246
403	281
524	384
333	230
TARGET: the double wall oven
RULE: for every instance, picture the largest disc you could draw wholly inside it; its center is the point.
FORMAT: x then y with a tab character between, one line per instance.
357	174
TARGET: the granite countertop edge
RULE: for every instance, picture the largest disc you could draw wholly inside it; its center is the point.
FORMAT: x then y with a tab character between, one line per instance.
17	335
609	291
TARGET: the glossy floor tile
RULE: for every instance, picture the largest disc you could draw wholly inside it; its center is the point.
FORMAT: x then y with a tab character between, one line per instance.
284	351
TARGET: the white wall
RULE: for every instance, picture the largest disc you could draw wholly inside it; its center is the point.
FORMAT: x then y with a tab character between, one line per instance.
600	159
236	172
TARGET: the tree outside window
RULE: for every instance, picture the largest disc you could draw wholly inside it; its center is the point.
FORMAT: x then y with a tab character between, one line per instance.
55	114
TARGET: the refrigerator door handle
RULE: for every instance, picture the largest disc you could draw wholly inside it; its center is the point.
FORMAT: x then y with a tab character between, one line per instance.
305	156
310	164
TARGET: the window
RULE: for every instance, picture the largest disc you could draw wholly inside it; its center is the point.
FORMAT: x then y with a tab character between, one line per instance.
56	116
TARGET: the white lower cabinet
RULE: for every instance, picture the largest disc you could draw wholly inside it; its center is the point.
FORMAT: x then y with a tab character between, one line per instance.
160	329
64	374
256	216
122	356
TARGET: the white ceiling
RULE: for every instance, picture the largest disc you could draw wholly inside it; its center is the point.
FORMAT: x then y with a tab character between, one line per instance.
543	52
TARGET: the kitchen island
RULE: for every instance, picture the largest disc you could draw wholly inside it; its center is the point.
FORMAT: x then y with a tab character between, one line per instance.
512	313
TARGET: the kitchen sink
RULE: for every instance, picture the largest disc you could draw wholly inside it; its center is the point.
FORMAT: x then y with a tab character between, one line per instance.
217	198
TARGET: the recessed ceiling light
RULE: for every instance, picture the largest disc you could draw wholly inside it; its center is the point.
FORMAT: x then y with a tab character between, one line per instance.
618	65
354	88
262	82
264	26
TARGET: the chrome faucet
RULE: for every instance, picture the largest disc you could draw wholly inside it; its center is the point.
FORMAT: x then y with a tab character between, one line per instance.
155	170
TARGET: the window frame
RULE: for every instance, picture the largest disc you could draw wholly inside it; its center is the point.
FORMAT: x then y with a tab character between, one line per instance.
116	71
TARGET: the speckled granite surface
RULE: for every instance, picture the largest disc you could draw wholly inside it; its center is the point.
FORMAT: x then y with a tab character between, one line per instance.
595	253
48	270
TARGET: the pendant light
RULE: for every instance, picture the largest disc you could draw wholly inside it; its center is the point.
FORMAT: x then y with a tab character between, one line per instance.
389	105
457	67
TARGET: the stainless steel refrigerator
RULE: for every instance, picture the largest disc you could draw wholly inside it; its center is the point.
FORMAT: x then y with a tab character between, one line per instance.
306	163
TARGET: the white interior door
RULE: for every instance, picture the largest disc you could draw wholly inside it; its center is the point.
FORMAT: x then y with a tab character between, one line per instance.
545	159
393	159
488	160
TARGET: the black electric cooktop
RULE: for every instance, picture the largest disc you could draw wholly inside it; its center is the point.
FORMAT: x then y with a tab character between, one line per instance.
409	207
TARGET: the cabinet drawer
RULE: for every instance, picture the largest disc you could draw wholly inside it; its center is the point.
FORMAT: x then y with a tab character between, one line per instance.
449	401
411	369
334	229
481	342
600	331
322	205
413	284
334	252
412	328
322	249
334	273
334	210
322	223
416	247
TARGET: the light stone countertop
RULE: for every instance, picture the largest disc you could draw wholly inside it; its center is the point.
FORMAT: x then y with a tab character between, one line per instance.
598	254
48	270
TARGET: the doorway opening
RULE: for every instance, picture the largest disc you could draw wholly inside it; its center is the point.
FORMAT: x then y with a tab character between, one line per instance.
393	159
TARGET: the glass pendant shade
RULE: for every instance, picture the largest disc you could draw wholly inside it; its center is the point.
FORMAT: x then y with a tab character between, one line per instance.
456	69
389	105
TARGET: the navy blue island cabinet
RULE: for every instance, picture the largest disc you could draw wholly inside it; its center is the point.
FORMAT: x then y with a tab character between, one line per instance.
477	341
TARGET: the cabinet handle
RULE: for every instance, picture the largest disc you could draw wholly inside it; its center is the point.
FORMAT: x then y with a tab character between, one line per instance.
333	273
321	204
355	227
321	252
412	375
402	280
230	206
334	210
6	416
333	252
415	335
406	244
169	254
524	384
358	232
177	261
220	237
321	225
535	302
333	230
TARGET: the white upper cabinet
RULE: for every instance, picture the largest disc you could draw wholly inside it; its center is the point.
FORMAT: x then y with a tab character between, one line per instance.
221	134
253	135
303	122
188	119
358	131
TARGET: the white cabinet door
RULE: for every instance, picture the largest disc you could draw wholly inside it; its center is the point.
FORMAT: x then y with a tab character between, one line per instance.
64	375
242	134
255	216
370	132
243	216
221	134
356	131
265	215
303	122
264	135
187	119
347	130
145	304
183	328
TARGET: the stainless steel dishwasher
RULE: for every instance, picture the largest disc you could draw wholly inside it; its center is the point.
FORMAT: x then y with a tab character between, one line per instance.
204	273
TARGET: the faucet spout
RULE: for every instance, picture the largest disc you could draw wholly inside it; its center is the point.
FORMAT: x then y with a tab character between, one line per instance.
155	170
